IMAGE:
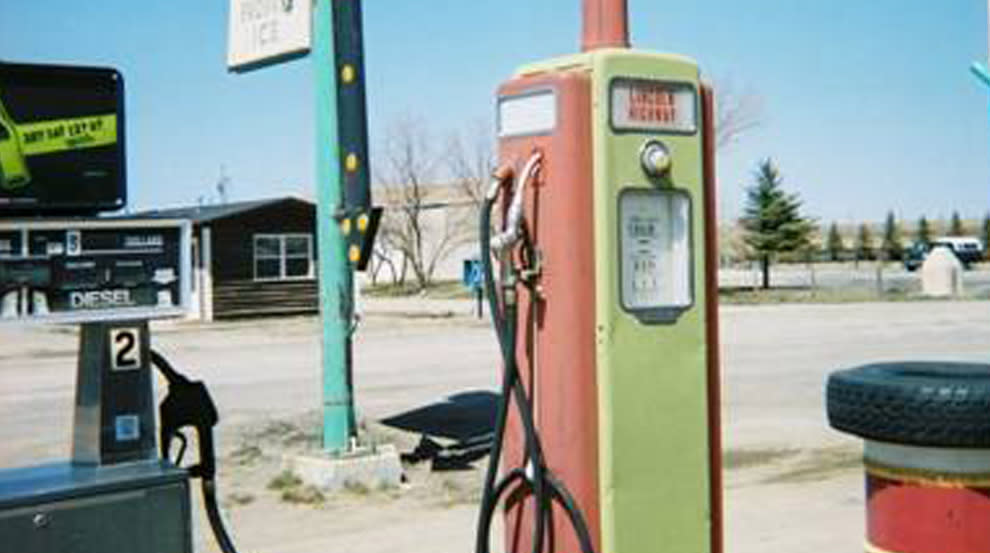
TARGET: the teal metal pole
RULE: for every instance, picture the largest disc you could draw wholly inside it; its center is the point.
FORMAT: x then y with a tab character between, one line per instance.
980	72
336	284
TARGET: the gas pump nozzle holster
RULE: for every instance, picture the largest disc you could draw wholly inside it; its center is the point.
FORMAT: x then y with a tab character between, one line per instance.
188	403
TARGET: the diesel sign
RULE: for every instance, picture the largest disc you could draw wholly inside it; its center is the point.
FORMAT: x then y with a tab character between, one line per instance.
101	299
89	270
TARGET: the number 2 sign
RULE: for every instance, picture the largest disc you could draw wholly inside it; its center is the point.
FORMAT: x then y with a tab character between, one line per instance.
125	349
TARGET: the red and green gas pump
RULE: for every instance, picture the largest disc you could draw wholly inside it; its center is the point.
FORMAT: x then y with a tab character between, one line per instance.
605	300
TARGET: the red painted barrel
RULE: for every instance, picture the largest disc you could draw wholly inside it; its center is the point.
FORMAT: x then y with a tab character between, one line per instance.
927	500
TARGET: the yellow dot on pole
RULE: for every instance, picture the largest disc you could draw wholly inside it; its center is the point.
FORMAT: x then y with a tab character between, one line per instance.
348	74
351	162
345	226
354	254
362	223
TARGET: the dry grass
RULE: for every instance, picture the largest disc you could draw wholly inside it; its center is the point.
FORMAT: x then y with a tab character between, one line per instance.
438	290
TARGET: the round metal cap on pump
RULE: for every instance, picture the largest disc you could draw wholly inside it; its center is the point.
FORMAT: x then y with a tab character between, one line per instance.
655	159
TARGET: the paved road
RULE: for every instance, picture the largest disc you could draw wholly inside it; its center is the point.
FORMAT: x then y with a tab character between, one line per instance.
775	361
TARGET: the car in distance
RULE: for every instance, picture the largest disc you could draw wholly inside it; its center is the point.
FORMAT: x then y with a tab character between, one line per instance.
968	251
914	256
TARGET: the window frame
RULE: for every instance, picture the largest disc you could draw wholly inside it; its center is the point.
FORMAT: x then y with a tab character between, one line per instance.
283	256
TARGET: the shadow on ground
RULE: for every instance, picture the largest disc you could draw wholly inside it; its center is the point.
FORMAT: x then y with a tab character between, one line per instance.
453	433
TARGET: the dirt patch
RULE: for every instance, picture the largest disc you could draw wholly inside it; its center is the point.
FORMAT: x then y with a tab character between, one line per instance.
252	469
819	464
744	458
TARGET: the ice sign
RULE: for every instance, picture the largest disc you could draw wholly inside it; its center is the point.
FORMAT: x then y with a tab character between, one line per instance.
263	31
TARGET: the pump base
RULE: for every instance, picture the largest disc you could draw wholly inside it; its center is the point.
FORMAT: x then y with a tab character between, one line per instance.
139	506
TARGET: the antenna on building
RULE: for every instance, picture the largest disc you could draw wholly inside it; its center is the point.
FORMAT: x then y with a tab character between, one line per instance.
223	185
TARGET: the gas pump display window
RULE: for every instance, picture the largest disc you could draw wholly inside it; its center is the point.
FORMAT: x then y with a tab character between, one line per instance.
530	114
658	106
655	251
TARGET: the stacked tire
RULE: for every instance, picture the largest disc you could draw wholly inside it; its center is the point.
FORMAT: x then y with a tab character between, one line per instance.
926	427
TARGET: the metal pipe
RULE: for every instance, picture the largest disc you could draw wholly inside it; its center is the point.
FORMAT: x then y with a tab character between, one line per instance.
513	225
606	25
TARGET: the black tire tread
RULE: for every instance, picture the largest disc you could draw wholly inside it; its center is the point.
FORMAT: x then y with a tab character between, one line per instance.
930	404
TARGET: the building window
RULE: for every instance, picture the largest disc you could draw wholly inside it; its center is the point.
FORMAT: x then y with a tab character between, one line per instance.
283	256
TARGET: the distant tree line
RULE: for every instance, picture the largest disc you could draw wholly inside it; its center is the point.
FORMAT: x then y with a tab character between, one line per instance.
892	246
773	228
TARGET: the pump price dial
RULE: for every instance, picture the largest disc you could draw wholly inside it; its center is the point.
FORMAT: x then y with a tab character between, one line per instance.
644	257
655	250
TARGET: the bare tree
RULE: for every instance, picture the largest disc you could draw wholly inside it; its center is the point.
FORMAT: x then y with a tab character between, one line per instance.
736	113
471	160
418	224
379	259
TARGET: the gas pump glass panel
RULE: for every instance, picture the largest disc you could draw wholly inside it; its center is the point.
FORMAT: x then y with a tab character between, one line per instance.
656	106
530	114
72	271
61	140
655	251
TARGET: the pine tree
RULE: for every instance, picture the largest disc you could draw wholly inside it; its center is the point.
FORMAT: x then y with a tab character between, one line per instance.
956	227
833	243
924	235
772	222
893	248
864	243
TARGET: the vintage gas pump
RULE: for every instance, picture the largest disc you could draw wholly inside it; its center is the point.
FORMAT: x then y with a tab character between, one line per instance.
606	301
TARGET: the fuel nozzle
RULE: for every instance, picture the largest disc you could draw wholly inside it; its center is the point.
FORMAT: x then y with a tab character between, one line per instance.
513	225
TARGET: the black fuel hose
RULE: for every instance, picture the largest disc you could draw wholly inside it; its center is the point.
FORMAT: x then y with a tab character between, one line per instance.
188	403
209	488
533	474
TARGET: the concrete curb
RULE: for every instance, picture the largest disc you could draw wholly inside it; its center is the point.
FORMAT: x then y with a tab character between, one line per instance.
371	468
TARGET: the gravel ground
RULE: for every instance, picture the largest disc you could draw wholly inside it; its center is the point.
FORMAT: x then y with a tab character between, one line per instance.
790	482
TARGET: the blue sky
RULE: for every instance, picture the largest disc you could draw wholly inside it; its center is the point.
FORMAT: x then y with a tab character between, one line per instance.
868	106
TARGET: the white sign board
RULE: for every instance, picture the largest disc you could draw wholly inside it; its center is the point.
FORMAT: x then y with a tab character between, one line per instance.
260	31
527	115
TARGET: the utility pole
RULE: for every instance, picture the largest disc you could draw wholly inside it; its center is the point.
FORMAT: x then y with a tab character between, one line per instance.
346	220
306	28
335	273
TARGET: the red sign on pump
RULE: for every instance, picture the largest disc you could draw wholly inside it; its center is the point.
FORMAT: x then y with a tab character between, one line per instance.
653	106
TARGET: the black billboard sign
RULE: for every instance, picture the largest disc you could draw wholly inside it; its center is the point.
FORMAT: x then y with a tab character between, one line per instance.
61	140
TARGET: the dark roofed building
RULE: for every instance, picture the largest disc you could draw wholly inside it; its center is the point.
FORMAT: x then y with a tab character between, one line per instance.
250	259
